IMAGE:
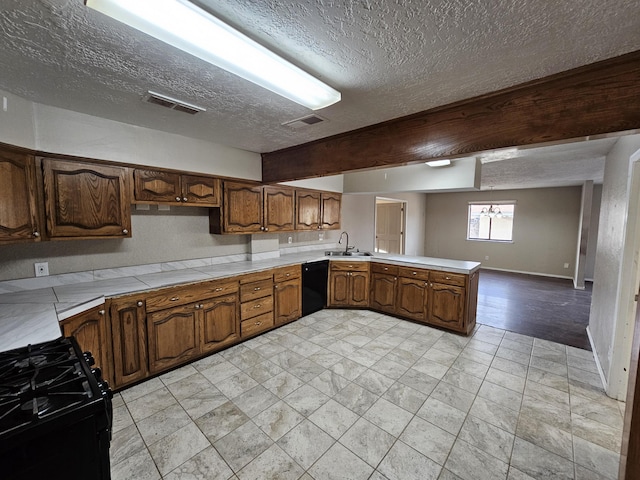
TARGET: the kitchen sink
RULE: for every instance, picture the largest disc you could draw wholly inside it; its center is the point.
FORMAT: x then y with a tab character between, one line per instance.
342	253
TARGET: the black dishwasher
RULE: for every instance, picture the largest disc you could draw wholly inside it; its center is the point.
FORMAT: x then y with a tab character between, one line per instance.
314	286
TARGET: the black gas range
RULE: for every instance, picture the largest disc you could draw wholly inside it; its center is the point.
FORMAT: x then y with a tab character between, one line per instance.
55	414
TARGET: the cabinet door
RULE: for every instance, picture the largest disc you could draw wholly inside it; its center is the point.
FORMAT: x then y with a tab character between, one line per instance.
198	190
85	200
128	330
383	292
446	306
412	298
288	301
173	336
220	323
242	208
359	286
91	330
18	206
331	211
339	294
307	210
154	186
279	207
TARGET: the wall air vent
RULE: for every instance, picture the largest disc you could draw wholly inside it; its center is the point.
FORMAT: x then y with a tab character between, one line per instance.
304	121
172	103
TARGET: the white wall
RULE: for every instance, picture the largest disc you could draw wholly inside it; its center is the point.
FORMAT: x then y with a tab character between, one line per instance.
545	230
616	267
593	233
17	123
358	215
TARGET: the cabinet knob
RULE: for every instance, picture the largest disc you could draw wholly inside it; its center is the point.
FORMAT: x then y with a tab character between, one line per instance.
36	234
414	273
185	199
178	199
100	312
125	231
266	229
262	229
139	303
448	278
386	268
288	275
196	306
173	299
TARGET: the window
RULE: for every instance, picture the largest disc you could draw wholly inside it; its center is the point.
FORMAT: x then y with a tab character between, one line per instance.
493	222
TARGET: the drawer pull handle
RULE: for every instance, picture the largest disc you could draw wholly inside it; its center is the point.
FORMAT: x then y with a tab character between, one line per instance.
258	324
174	299
288	275
101	312
197	306
219	289
386	268
257	306
448	278
256	289
415	273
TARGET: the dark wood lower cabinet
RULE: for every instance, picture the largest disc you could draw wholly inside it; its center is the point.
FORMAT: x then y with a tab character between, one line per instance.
128	328
93	333
173	336
220	323
446	306
383	292
413	297
287	301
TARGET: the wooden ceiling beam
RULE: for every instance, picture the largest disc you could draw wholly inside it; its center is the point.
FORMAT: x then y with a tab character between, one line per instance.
595	99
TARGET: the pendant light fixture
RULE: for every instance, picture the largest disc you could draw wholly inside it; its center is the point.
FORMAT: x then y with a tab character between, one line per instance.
193	30
493	211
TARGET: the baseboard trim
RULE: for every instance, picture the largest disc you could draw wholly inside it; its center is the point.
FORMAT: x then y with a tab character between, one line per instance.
597	360
526	273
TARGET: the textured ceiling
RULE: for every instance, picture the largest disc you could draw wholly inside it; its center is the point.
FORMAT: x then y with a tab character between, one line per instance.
388	58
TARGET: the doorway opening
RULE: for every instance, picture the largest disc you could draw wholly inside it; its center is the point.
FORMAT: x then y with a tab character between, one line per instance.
390	222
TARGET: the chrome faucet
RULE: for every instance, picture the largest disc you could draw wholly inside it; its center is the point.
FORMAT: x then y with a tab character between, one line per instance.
347	246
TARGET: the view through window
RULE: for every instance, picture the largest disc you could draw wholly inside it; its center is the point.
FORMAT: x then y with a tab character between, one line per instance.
493	222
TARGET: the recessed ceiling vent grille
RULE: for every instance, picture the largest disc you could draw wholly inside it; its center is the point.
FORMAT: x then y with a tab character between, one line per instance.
172	103
304	121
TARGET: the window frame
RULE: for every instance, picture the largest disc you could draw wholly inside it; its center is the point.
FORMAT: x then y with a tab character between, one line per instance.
488	204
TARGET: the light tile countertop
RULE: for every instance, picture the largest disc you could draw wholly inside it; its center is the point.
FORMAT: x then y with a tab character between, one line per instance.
30	312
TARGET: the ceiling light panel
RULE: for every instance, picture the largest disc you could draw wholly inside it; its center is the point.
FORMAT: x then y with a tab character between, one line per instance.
191	29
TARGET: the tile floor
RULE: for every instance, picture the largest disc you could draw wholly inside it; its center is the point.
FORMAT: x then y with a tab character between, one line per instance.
345	394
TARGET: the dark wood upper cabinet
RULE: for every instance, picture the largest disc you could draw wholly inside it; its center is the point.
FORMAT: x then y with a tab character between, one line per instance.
331	203
19	214
241	208
307	210
279	209
154	186
86	200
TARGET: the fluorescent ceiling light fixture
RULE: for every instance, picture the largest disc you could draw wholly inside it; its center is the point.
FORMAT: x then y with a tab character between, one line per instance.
191	29
438	163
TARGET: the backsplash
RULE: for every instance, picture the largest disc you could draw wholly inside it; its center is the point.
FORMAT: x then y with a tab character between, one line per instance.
24	284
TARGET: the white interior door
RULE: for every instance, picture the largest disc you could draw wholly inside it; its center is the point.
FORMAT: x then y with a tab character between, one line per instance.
390	215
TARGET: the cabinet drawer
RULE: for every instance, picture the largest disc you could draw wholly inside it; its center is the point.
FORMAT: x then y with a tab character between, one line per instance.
170	297
256	277
382	268
418	273
254	290
350	266
256	307
286	273
448	278
256	324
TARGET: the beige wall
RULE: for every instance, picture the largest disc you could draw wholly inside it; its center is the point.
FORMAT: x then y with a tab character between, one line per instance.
616	266
545	230
358	216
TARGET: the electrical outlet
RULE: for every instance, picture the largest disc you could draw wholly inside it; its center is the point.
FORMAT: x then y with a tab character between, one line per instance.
486	257
566	265
320	236
290	240
42	269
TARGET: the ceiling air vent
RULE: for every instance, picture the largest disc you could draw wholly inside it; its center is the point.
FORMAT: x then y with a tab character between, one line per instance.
304	121
172	103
